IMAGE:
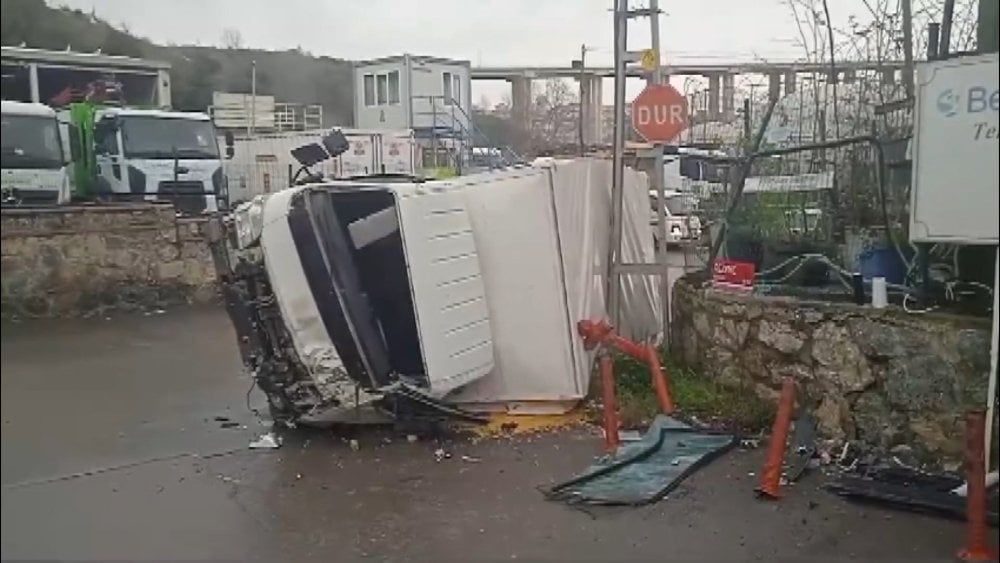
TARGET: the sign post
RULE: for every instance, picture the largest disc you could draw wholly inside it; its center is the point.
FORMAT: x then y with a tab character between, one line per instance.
659	114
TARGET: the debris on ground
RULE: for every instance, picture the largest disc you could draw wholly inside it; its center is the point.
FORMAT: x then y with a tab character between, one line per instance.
411	438
441	454
471	459
503	424
906	488
629	435
749	443
355	445
803	447
992	479
645	471
266	441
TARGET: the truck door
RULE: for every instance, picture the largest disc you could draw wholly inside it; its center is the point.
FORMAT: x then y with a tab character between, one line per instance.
111	175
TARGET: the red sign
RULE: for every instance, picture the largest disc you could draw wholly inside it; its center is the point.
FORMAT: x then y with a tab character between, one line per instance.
659	113
733	274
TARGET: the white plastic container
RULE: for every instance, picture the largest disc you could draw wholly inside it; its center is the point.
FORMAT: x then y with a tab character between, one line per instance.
880	295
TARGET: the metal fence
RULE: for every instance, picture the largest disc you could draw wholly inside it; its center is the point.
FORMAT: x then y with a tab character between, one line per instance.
810	216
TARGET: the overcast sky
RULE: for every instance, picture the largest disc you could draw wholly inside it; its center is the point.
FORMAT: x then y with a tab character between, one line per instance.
489	32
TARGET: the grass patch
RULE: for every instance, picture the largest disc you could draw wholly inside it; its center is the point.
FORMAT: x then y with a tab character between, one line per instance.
731	408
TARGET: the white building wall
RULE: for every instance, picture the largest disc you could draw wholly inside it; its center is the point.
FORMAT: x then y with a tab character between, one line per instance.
428	80
371	110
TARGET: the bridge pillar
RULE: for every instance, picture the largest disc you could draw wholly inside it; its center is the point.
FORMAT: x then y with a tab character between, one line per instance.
728	96
789	83
713	96
520	98
773	86
591	99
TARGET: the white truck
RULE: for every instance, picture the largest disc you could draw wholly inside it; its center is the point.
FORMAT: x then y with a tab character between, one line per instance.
157	155
34	162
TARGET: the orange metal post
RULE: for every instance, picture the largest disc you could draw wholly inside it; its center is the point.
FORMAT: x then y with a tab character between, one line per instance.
660	383
610	406
770	478
977	546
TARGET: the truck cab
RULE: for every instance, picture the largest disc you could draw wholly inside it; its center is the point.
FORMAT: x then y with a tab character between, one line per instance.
158	155
33	155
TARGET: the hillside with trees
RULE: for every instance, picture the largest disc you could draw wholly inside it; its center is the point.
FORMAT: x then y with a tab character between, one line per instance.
196	71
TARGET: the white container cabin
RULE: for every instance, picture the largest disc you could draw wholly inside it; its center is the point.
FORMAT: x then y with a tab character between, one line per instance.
430	95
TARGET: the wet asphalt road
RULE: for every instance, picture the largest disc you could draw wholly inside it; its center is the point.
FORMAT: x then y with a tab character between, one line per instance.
111	450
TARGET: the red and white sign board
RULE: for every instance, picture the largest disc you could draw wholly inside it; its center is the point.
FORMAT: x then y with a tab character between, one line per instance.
659	113
733	275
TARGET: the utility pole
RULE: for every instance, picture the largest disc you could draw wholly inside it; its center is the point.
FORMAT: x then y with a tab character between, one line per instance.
583	76
253	97
654	78
617	267
906	8
618	165
947	17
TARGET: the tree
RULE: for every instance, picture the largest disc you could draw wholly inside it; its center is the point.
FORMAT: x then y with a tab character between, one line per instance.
553	115
232	38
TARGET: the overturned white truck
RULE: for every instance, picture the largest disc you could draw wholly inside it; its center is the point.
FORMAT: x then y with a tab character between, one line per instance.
461	293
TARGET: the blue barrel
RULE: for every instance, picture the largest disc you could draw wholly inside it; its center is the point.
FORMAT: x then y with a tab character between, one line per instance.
882	262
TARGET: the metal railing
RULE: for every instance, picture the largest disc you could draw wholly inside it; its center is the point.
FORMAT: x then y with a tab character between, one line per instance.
450	121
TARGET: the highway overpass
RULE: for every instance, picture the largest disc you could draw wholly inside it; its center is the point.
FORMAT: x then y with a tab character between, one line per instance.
721	82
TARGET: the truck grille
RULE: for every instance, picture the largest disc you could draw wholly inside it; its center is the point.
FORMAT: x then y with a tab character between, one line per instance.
188	196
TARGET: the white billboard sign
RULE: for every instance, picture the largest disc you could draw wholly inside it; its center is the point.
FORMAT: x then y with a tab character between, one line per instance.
954	197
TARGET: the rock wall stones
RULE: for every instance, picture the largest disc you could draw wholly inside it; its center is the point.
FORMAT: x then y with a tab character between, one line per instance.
80	260
881	376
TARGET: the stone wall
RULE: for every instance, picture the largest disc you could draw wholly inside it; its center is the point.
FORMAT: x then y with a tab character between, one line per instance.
881	376
82	260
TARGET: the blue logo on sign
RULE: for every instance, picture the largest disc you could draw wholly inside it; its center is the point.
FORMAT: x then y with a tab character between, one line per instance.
948	103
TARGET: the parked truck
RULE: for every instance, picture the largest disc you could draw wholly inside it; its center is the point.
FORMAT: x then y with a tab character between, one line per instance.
34	162
148	155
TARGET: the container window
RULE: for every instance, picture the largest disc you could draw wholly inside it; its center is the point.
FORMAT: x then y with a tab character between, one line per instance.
394	87
456	91
369	89
446	90
382	83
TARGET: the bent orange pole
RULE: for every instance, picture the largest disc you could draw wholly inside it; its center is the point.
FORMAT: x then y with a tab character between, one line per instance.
770	477
610	406
977	545
660	383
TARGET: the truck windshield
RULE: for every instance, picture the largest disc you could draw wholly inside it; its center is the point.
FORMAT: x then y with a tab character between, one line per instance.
30	141
165	137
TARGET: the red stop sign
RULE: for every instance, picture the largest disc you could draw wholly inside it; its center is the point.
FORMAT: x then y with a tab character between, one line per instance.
659	113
